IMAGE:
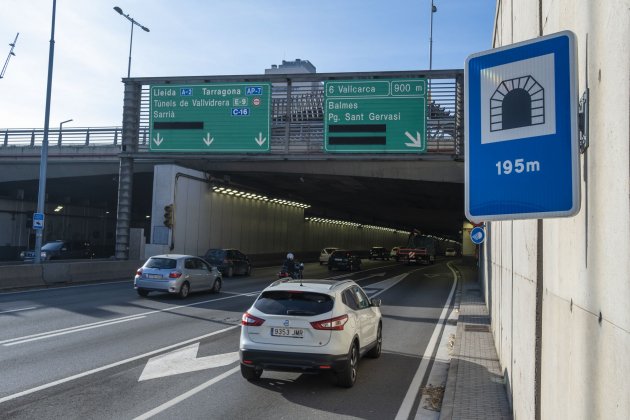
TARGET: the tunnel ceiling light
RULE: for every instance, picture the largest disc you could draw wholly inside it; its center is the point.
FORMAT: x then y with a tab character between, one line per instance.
58	209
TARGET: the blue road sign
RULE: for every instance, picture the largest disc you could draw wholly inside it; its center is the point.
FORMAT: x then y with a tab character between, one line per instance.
522	155
38	221
478	235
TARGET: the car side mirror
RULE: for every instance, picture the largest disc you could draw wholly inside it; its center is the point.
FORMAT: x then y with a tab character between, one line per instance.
375	302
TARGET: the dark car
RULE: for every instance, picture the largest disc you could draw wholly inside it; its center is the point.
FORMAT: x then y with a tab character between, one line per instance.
379	252
344	260
61	250
229	261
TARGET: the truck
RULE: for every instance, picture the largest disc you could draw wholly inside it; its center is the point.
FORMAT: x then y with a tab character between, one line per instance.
420	249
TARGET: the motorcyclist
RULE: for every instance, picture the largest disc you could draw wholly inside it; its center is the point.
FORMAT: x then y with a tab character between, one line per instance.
290	265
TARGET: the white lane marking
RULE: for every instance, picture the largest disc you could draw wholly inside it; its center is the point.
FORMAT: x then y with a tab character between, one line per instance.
414	387
82	327
47	289
184	360
28	340
18	310
111	365
186	395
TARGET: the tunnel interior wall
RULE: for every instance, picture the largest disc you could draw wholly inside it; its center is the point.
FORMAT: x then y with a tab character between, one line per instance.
585	262
204	219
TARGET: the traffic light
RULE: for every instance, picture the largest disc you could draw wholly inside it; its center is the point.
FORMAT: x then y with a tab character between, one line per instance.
168	215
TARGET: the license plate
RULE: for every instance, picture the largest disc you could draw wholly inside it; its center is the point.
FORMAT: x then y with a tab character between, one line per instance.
287	332
154	276
338	259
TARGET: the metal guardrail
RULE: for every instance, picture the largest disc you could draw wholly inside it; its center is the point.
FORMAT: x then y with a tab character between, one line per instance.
302	111
76	136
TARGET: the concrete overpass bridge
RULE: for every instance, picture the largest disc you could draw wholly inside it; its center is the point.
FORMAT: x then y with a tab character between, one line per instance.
112	167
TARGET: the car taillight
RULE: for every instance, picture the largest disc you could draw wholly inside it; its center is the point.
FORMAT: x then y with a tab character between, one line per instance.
251	320
336	323
174	275
139	272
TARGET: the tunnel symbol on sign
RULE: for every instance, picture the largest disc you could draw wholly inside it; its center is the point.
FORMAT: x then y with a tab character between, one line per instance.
518	102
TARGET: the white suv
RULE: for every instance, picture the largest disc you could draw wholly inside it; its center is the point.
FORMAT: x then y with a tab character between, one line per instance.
310	326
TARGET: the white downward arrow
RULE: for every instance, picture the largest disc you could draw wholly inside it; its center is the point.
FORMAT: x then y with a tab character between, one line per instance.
260	140
208	140
415	141
158	140
184	360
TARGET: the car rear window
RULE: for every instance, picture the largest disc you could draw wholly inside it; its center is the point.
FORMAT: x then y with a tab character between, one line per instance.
215	255
295	303
166	263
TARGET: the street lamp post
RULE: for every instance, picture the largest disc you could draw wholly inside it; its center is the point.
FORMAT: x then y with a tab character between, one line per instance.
133	22
43	165
61	128
433	10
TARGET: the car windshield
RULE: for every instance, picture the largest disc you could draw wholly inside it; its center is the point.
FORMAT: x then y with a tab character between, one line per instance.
329	250
165	263
215	255
297	303
52	246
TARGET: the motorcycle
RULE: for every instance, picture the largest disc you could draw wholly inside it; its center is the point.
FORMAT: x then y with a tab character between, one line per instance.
284	273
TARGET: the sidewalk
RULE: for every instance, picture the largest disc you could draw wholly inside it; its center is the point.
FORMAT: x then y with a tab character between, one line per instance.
474	387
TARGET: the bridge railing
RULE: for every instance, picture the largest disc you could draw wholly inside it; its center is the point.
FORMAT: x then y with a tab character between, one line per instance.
75	136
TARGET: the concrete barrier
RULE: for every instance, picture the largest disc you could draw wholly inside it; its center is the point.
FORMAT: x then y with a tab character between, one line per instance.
17	276
49	274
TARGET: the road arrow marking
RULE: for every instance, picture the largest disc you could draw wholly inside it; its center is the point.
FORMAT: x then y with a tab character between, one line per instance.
260	140
184	360
415	141
159	140
208	140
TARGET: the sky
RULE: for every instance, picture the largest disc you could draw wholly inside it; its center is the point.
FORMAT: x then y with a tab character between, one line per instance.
213	37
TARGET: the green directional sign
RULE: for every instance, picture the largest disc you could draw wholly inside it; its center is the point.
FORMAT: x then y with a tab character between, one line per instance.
375	116
210	118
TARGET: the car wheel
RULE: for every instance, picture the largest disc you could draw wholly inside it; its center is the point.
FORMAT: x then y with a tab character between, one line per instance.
347	377
375	352
143	293
230	272
184	291
251	373
216	286
321	263
329	268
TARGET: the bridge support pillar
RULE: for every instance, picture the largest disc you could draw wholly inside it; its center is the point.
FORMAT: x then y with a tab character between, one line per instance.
131	125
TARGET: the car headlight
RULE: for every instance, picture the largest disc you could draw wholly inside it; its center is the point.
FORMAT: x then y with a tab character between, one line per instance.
22	254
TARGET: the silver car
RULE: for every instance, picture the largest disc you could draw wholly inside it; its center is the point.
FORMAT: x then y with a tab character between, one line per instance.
177	274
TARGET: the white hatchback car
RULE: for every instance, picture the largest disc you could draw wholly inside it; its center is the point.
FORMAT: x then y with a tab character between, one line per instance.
324	255
310	326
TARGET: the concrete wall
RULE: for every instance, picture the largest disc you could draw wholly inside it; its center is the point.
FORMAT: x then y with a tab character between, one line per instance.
54	273
586	258
205	219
